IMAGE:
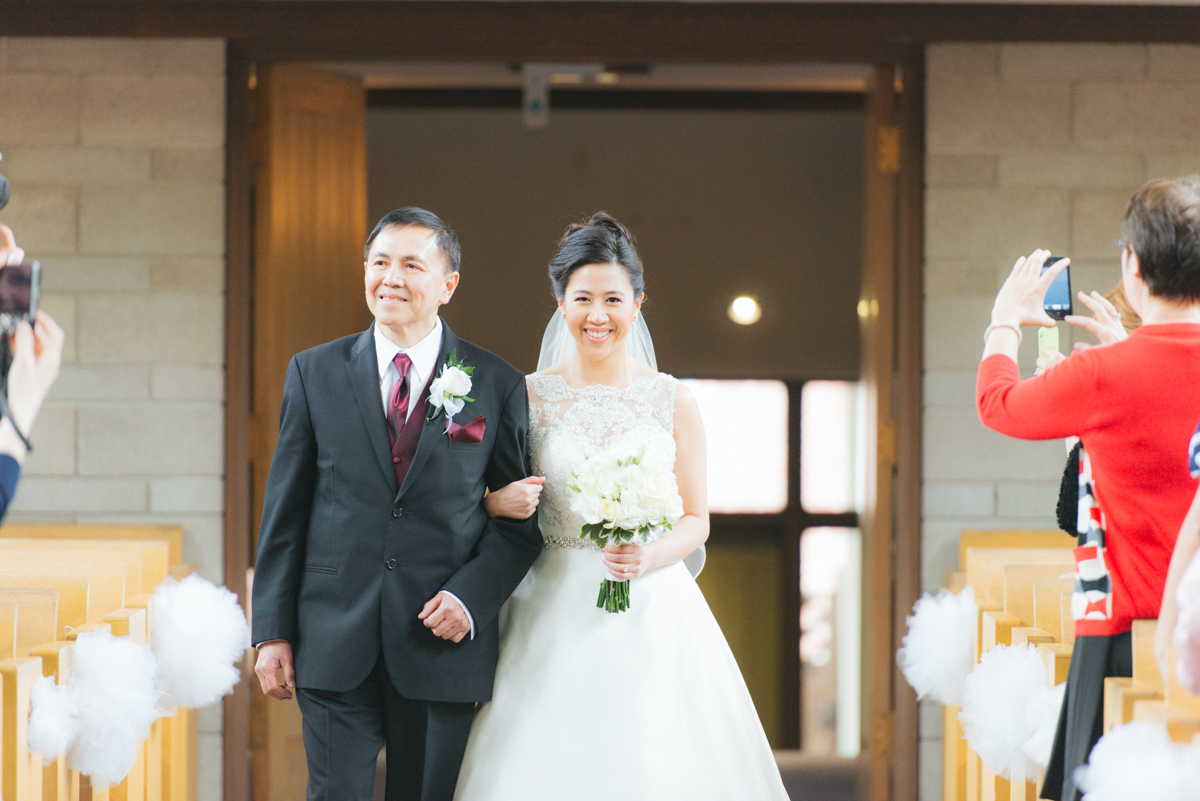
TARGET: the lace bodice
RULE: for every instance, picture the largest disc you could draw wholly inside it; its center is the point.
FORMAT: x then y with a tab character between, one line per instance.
566	425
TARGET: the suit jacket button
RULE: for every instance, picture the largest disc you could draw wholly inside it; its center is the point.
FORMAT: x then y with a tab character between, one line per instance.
397	511
391	564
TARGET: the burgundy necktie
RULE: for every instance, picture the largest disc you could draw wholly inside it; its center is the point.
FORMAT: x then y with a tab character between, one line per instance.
398	401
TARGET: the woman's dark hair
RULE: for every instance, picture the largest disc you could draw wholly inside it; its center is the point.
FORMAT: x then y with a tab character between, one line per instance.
1162	225
446	238
600	240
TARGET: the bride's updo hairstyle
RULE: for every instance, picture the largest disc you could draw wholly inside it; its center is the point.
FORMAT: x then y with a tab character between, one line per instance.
600	240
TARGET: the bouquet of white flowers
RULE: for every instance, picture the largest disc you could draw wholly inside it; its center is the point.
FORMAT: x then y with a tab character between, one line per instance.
624	497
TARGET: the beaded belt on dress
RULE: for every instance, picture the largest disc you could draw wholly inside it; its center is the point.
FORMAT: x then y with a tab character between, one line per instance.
570	542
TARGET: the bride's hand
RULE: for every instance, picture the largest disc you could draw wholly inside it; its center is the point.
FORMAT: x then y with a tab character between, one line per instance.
518	501
628	561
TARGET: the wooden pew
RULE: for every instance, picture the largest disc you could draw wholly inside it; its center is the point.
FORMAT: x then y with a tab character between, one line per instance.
106	580
101	594
172	535
34	620
146	562
105	583
1024	594
1003	568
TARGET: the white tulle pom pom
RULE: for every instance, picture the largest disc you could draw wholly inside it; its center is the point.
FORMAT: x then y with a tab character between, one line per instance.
1187	627
938	650
52	720
995	712
198	633
112	687
1041	715
1137	762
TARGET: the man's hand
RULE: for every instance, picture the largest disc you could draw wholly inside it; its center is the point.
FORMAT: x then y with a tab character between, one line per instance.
446	618
271	657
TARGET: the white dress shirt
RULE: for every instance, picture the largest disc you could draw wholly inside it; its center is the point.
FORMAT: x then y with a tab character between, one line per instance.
424	356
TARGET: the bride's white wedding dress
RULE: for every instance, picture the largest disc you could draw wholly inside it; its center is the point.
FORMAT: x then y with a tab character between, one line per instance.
646	704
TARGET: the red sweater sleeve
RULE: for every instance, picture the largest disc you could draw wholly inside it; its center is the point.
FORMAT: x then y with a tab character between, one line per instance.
1056	404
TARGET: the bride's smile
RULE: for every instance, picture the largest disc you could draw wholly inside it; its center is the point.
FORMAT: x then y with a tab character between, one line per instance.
599	308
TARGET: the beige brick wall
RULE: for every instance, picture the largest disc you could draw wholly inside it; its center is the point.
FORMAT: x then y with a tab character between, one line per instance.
1028	146
115	149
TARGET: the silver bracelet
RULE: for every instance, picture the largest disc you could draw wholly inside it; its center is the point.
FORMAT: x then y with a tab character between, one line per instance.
988	331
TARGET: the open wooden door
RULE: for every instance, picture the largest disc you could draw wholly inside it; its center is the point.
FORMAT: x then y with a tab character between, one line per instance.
310	220
891	315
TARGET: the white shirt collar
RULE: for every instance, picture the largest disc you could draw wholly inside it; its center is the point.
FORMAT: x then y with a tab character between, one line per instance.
424	355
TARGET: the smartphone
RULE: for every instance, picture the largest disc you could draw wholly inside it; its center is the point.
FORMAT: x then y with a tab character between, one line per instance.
1058	297
20	288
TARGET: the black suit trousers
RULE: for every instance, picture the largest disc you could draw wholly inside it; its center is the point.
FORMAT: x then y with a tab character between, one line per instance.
344	731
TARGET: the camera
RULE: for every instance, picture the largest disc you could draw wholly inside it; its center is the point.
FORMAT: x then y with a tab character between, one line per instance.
20	284
20	288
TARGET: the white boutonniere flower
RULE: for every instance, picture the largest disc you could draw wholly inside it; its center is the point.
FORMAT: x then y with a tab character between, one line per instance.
449	391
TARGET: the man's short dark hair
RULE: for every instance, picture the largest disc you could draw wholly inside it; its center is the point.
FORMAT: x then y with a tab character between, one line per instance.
1162	225
447	240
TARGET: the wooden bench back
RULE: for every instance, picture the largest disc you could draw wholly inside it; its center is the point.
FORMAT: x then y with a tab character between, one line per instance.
36	619
152	556
172	535
1019	599
106	580
985	569
1052	607
72	596
1004	538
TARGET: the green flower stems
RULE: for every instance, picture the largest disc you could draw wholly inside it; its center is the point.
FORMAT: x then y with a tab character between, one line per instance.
614	596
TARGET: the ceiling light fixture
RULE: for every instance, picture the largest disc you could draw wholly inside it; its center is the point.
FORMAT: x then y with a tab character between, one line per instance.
745	310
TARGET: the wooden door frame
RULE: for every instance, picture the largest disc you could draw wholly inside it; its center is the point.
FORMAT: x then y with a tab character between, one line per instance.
890	739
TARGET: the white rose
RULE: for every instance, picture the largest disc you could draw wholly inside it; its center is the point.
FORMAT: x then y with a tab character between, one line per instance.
588	508
654	488
606	486
630	499
654	516
456	382
609	511
631	478
631	518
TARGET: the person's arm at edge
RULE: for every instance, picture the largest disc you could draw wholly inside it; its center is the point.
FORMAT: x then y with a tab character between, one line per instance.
1186	545
507	548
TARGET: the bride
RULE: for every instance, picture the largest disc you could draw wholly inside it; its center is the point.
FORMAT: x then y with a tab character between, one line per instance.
645	704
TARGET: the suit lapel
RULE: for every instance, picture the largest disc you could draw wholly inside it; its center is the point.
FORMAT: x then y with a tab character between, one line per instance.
430	431
363	370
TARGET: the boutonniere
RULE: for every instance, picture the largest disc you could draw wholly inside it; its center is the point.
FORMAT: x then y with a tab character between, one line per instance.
448	392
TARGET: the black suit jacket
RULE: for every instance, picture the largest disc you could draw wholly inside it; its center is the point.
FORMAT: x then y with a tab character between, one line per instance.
346	559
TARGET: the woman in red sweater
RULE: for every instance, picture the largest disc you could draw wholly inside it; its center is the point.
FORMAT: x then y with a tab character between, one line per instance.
1134	406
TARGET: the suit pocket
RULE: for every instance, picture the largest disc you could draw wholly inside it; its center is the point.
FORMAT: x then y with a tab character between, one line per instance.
321	569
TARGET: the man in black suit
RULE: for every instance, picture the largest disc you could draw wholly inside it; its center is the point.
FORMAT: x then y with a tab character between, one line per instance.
379	575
